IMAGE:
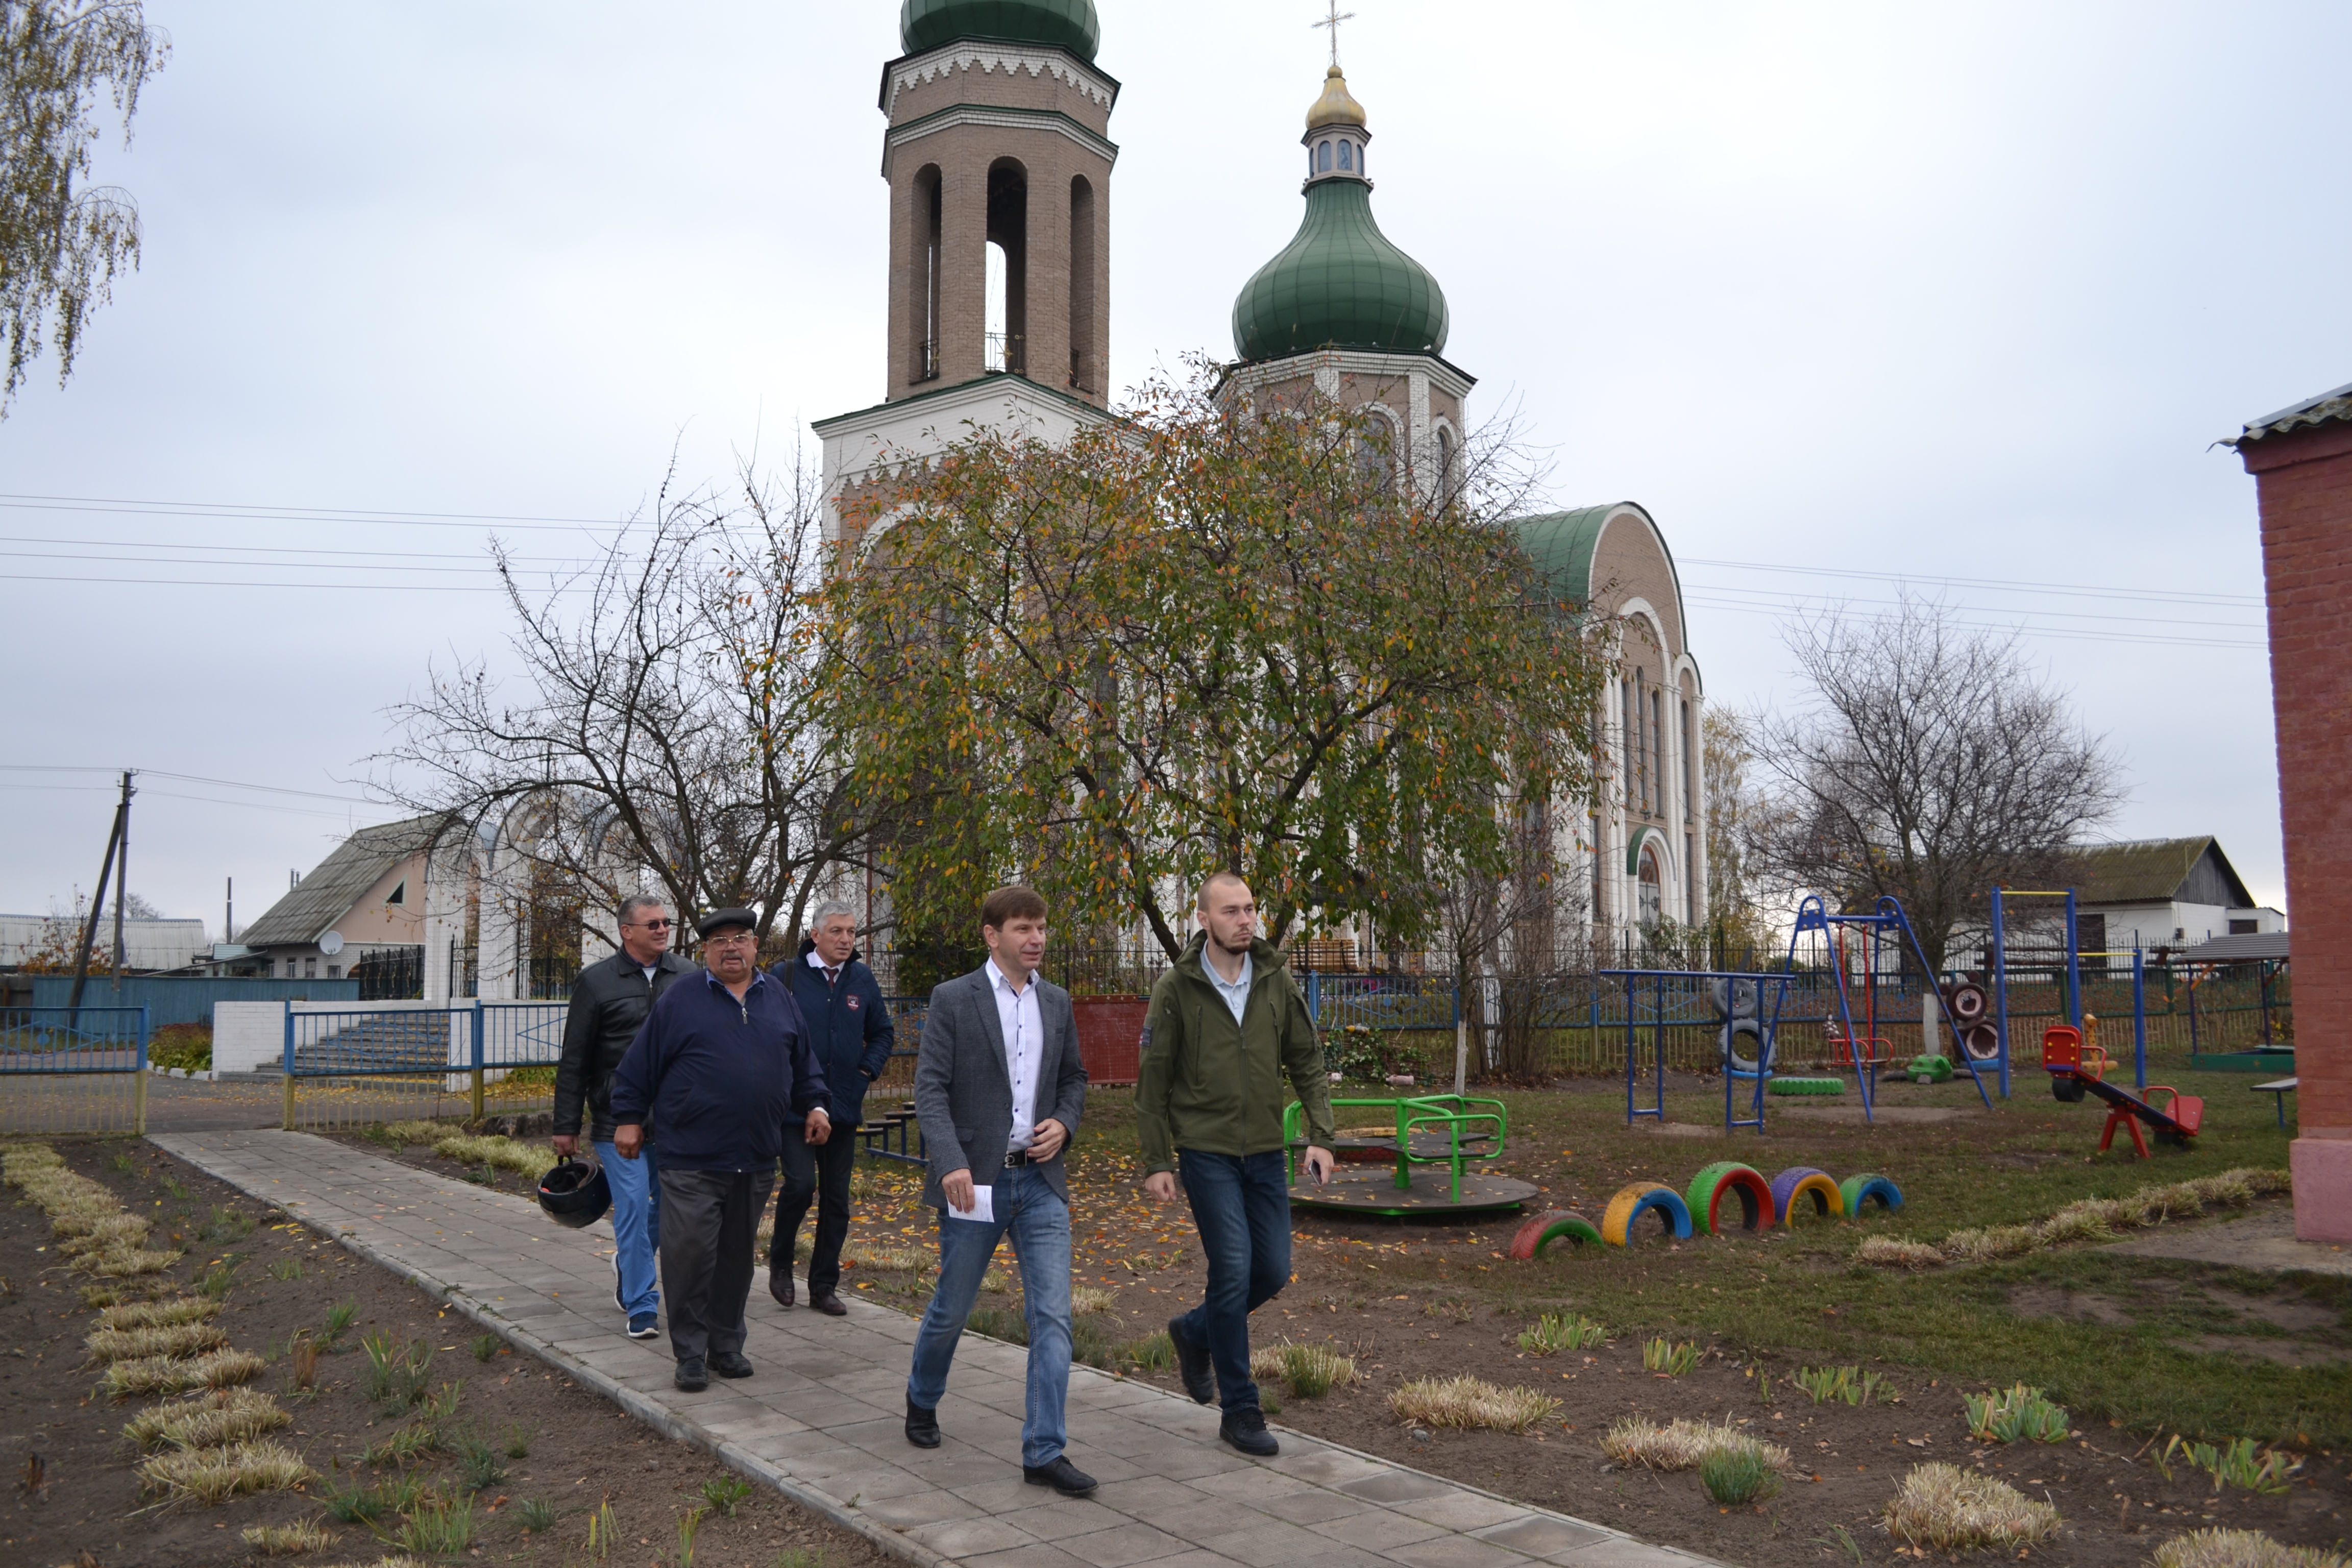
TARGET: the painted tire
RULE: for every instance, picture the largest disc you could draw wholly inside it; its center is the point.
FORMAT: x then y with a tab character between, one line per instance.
1806	1086
1802	1182
1736	998
1637	1199
1545	1228
1982	1043
2066	1086
1966	1003
1728	1041
1860	1190
1731	1179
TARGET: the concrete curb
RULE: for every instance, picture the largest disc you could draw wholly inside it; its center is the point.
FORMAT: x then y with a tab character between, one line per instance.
660	1417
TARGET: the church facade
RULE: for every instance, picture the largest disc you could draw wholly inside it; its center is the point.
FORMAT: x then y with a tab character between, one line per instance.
999	159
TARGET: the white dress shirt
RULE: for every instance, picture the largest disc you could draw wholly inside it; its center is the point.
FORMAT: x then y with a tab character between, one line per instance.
1025	1047
1237	993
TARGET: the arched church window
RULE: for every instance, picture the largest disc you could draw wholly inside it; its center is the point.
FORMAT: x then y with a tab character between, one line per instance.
1449	463
1376	456
1323	158
1650	903
1347	155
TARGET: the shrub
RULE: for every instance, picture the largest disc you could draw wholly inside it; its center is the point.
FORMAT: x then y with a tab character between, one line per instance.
898	1259
1851	1384
1673	1360
167	1374
1311	1369
215	1474
159	1314
2087	1219
2241	1549
1681	1444
207	1420
2005	1414
286	1540
1947	1509
1085	1299
1736	1476
1470	1402
530	1161
1556	1331
438	1524
168	1340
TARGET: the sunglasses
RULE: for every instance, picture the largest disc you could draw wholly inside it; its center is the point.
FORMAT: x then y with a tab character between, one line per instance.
649	925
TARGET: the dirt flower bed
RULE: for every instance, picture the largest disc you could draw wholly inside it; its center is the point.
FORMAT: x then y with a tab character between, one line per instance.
517	1457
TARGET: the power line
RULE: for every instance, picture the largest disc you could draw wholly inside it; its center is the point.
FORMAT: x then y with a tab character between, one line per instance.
2025	629
258	549
2075	614
256	513
2105	591
182	778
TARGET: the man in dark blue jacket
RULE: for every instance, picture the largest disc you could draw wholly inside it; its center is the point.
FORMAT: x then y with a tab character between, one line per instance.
842	1004
720	1059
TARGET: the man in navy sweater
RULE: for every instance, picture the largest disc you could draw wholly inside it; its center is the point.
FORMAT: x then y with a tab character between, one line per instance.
842	1004
721	1057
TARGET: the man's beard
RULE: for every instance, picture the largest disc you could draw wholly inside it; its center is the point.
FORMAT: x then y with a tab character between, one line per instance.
1226	947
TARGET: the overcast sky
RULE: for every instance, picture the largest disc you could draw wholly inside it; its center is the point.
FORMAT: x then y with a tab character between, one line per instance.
1961	294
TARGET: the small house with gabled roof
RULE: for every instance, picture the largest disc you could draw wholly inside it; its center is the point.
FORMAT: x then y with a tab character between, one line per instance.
362	905
2162	893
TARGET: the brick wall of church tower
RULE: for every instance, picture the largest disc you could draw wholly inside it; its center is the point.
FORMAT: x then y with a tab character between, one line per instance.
1010	143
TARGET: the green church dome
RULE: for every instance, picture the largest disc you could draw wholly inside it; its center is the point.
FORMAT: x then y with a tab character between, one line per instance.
1339	284
1056	24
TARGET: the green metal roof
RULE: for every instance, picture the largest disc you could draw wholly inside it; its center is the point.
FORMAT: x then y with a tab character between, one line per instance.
1055	23
1339	284
1562	544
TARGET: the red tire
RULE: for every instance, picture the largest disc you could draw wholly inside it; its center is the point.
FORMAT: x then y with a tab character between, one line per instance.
1543	1229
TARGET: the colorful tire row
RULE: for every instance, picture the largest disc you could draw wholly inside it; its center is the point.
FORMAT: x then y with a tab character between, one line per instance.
1716	1196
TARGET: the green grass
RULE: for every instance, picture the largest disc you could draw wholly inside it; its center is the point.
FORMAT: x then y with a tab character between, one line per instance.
2172	1363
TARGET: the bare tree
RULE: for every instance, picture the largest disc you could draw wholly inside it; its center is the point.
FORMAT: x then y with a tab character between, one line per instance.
666	736
1927	761
1728	752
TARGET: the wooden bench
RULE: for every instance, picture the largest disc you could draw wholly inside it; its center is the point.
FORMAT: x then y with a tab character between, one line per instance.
2280	1088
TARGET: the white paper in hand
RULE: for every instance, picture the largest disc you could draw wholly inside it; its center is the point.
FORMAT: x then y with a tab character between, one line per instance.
983	1209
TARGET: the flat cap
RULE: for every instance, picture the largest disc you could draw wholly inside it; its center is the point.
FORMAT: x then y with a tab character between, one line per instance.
717	920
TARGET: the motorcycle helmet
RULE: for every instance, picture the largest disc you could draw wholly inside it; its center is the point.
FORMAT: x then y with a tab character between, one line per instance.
575	1194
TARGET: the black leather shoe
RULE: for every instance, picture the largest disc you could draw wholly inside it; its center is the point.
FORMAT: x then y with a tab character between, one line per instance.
1193	1364
1059	1474
693	1377
922	1425
1245	1429
828	1303
780	1283
731	1363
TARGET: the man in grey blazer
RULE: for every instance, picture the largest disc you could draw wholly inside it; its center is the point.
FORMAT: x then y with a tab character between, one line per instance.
999	1087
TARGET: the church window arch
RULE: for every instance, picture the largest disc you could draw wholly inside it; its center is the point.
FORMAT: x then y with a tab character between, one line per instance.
1323	158
1649	889
1347	154
1376	453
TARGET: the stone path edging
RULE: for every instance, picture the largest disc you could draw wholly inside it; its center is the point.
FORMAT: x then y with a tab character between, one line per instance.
820	1425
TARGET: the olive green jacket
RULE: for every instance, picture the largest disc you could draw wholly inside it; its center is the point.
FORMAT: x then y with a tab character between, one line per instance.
1214	1085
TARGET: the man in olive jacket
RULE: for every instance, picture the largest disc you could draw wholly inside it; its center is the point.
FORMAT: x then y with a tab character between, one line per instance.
1225	1025
609	1004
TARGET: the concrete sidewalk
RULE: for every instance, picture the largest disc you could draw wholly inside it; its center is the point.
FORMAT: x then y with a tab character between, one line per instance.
821	1421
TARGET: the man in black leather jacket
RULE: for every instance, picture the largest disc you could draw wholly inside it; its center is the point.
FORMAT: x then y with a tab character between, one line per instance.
609	1004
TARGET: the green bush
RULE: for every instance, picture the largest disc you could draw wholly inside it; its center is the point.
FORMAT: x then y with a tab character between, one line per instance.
1736	1476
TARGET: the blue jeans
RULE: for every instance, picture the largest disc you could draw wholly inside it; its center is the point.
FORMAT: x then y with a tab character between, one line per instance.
1241	1205
637	1223
1040	1223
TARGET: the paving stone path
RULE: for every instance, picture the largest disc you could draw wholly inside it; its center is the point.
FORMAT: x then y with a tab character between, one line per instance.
821	1420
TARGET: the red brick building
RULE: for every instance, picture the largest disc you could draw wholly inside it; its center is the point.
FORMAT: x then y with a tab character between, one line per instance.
2301	458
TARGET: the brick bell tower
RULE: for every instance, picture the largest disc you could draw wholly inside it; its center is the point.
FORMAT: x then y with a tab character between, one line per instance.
999	160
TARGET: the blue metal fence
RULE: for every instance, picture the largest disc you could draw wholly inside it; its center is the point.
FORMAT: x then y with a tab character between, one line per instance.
171	1000
47	1053
472	1042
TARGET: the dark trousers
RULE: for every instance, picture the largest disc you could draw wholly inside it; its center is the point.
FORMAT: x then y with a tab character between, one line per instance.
708	1221
818	1171
1241	1205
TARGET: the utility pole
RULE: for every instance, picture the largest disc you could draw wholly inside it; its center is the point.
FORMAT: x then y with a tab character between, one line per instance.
121	886
98	903
229	913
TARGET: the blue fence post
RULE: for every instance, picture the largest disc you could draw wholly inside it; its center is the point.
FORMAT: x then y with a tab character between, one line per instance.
2000	994
2074	967
2139	1019
139	1084
287	1118
1315	996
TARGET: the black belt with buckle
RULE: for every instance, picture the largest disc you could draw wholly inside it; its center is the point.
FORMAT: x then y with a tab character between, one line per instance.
1016	1157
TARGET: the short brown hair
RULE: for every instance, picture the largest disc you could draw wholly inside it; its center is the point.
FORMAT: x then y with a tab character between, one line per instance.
1200	900
1014	903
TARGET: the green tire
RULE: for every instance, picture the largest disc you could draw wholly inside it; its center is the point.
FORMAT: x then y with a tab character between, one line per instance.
1806	1086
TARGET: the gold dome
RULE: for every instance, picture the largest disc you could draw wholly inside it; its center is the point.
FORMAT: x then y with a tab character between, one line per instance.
1337	106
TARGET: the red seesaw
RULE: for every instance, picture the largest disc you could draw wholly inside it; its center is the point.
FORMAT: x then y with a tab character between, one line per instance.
2076	1068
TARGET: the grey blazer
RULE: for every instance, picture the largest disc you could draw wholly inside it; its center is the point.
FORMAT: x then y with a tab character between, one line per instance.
963	1095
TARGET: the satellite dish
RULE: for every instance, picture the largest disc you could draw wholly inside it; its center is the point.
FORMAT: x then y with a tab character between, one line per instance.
331	943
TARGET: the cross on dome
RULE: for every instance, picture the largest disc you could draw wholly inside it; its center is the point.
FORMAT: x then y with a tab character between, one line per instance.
1332	22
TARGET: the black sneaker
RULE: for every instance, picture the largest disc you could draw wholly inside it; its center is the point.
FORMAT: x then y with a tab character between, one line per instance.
1245	1429
1059	1474
693	1377
922	1425
1193	1364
